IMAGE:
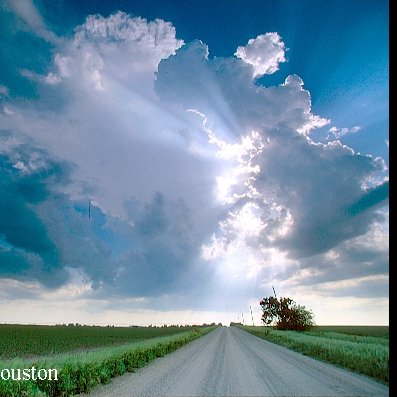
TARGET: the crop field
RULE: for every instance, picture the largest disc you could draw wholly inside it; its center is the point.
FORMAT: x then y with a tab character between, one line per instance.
378	331
41	340
84	356
361	349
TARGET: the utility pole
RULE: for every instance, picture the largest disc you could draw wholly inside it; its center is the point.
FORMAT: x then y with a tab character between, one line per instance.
275	297
242	315
89	209
252	317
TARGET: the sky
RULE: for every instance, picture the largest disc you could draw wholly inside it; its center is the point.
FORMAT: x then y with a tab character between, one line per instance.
170	162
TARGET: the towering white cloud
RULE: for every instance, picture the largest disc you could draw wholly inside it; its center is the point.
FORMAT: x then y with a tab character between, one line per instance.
119	49
201	176
287	192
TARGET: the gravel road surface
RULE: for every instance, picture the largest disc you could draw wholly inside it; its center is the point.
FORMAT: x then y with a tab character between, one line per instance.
232	362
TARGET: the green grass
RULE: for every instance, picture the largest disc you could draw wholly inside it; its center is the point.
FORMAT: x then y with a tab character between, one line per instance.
80	370
353	348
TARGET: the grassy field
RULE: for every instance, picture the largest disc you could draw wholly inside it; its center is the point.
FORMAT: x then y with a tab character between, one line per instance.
364	350
84	356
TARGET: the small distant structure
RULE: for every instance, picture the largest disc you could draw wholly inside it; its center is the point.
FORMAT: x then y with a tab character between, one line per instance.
252	317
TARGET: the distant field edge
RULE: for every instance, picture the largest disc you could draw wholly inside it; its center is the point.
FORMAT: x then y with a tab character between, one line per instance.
361	349
360	330
80	376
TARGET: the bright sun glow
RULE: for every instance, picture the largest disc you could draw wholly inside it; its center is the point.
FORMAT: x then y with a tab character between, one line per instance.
247	220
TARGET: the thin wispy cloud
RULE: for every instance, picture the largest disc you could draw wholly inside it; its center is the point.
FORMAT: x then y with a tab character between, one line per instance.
27	12
340	132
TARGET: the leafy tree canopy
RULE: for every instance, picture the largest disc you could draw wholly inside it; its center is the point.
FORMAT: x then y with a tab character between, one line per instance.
285	313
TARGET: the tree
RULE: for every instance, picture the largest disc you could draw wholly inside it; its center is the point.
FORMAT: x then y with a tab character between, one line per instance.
286	314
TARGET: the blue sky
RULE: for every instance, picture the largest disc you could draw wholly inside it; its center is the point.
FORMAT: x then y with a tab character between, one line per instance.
225	147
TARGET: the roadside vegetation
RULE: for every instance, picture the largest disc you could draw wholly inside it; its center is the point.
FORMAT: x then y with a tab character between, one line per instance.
364	350
84	358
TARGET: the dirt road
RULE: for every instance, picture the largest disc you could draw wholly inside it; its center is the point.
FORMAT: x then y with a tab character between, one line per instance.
232	362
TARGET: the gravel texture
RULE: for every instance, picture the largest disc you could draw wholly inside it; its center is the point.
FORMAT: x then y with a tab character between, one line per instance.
232	362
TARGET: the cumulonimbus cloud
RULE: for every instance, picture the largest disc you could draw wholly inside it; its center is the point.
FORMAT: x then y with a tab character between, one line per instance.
153	129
